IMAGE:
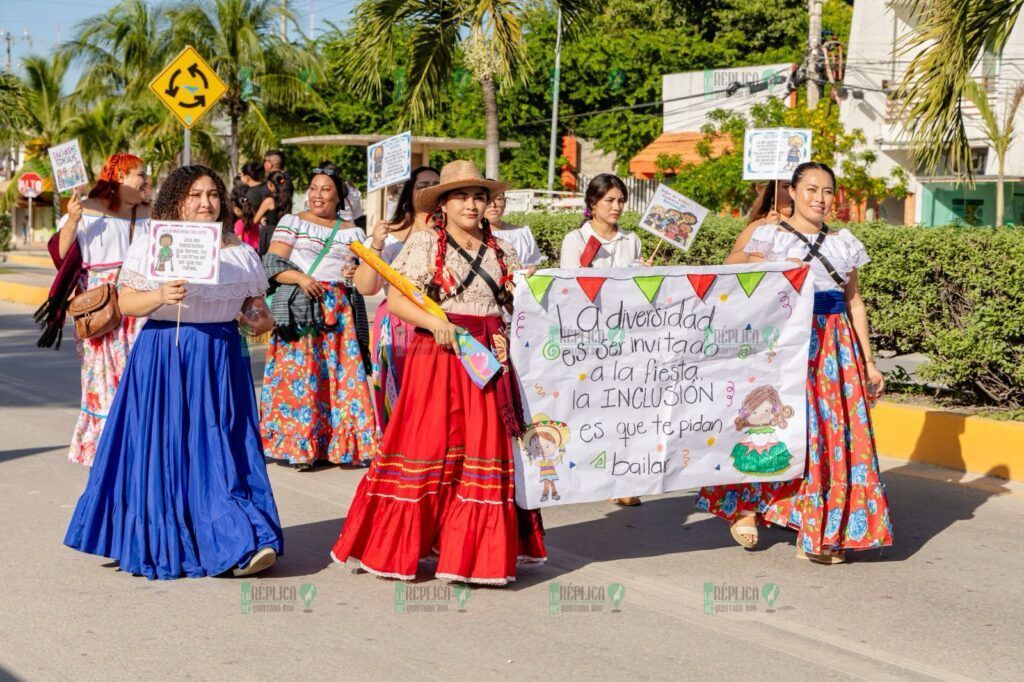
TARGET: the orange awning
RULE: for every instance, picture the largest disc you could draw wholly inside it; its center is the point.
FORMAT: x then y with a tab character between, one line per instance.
683	145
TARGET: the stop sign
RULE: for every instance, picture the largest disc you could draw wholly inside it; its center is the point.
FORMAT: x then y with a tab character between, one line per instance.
30	185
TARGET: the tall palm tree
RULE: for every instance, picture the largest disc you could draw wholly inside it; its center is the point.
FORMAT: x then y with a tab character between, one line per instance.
488	32
241	41
999	133
50	108
15	116
951	36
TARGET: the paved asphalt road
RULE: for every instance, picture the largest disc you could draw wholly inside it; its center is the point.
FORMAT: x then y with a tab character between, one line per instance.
946	602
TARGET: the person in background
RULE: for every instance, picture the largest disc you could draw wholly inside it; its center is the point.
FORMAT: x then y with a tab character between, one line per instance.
245	226
101	228
772	205
273	207
391	335
255	179
179	486
273	162
839	504
316	402
521	237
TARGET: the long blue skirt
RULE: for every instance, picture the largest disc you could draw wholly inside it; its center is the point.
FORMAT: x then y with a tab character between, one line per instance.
179	486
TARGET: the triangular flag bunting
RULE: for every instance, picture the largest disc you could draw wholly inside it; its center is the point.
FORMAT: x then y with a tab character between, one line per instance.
797	276
591	286
572	465
749	281
701	283
649	284
539	285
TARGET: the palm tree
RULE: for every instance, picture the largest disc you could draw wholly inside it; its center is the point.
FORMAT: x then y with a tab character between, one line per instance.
1000	135
489	33
240	40
51	111
951	36
15	116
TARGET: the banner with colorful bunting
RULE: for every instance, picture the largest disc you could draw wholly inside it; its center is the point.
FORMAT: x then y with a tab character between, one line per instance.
643	381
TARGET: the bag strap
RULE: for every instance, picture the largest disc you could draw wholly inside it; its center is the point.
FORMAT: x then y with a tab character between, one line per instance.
131	228
323	252
475	269
814	250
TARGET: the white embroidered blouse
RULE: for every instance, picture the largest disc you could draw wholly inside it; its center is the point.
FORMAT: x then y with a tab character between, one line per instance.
241	277
103	240
842	249
416	263
307	240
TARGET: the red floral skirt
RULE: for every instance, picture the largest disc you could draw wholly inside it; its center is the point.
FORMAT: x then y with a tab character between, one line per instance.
443	483
840	502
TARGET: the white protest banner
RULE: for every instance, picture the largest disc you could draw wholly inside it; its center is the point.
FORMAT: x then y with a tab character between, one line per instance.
673	217
183	250
389	161
773	153
643	381
68	166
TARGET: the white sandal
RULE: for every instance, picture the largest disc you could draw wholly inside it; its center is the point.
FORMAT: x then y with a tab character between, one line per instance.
262	560
745	535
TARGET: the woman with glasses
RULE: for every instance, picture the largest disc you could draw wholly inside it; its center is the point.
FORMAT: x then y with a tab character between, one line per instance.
519	236
316	403
391	335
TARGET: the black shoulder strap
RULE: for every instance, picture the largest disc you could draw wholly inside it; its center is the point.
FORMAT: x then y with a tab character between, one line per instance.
814	250
475	269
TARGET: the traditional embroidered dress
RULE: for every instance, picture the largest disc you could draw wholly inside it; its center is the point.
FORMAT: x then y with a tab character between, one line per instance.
103	241
390	343
443	483
316	404
840	503
179	486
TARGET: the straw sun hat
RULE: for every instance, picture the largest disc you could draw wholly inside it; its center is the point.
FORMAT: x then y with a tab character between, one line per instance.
455	175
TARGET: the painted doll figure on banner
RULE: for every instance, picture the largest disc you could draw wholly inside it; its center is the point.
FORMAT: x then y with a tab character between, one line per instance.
673	217
679	377
183	250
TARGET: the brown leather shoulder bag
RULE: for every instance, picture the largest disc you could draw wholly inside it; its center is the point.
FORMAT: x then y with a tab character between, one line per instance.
96	311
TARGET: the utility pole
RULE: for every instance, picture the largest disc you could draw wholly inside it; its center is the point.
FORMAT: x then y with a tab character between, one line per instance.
813	53
554	105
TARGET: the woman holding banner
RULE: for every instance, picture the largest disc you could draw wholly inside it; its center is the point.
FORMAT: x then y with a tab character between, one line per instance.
840	504
91	242
316	404
391	336
179	486
443	484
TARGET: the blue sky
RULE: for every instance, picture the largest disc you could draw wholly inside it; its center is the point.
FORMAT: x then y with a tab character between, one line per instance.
49	21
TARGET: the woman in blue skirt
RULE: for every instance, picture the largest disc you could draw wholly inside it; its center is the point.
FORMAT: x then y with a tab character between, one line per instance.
179	486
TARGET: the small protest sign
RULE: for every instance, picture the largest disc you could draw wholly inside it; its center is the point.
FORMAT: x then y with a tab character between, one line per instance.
389	161
773	153
184	250
68	165
673	217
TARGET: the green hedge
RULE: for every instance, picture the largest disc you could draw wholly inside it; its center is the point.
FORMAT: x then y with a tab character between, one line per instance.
955	294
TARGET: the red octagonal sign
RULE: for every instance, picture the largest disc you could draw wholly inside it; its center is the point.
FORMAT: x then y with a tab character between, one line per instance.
30	185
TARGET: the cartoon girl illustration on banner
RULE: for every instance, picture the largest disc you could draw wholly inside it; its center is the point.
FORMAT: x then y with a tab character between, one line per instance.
545	440
761	453
165	255
796	143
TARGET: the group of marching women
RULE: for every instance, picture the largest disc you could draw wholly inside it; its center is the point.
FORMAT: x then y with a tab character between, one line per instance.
176	440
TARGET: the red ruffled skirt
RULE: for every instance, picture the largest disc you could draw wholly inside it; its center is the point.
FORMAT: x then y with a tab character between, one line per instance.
840	502
443	483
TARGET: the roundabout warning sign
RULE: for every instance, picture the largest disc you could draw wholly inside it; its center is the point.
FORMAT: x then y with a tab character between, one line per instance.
188	86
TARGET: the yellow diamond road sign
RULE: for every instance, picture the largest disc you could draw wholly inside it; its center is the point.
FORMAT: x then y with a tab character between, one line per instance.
188	87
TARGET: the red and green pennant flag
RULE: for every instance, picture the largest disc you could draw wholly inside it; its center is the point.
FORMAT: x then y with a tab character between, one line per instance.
591	286
797	276
749	281
539	285
701	283
649	284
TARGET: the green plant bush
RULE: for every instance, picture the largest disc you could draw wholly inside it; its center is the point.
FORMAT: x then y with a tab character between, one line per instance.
955	294
5	231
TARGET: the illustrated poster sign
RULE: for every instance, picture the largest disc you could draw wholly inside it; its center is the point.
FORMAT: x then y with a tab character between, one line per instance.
673	217
184	250
638	382
389	162
774	153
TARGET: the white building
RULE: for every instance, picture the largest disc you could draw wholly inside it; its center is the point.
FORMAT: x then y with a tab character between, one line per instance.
875	66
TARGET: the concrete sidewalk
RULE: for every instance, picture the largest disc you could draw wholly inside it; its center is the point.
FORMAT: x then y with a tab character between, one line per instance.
943	603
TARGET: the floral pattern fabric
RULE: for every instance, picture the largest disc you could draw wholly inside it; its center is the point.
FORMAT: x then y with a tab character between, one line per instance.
103	361
316	402
840	503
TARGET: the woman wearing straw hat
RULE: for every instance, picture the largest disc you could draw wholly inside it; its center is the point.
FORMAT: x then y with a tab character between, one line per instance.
443	483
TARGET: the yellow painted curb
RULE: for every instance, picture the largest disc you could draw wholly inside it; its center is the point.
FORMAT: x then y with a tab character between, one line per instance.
957	441
23	293
34	261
